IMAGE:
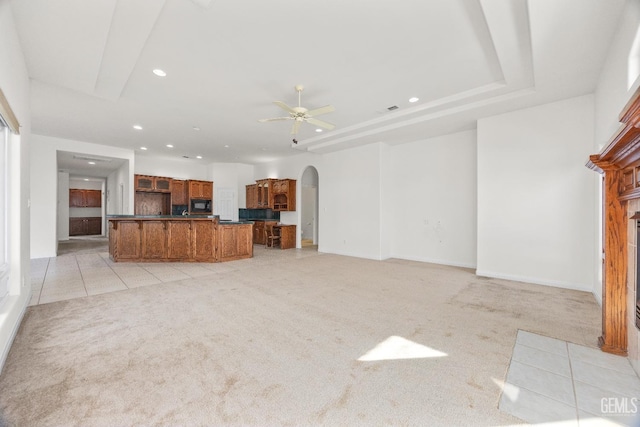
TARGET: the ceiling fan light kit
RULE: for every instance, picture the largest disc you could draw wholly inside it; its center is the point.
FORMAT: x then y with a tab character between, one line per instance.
300	114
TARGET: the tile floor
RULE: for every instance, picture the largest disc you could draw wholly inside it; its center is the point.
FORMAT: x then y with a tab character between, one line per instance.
76	275
554	381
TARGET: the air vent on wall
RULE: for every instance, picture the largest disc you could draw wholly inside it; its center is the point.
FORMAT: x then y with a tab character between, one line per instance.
91	159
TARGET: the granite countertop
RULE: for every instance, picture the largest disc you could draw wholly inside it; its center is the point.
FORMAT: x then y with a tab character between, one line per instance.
184	217
194	216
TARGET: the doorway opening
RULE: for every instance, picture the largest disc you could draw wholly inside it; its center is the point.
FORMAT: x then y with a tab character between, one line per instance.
309	221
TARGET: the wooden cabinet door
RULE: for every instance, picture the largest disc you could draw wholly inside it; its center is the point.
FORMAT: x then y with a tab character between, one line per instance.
77	227
154	241
226	242
179	193
127	244
195	190
93	198
179	239
252	196
234	242
76	198
244	240
207	190
144	183
94	226
162	185
203	244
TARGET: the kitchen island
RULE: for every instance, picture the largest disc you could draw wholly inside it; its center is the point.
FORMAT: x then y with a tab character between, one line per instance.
177	238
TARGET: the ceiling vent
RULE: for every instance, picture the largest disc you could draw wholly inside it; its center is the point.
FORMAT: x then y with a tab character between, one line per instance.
90	159
393	107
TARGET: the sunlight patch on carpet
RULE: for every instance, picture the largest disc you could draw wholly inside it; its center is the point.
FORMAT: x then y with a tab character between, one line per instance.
395	347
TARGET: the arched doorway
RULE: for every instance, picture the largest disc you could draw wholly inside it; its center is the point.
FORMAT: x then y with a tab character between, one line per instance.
309	208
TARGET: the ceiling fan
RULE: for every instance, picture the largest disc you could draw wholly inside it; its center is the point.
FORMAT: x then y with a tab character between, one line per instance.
300	114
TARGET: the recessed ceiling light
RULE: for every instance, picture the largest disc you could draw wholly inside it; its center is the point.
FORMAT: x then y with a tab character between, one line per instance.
196	128
226	146
198	157
169	146
143	148
160	73
92	163
318	130
86	179
414	99
137	127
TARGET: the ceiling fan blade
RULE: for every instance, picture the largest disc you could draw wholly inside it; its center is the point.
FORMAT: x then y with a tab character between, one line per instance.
274	119
320	123
285	107
296	126
322	110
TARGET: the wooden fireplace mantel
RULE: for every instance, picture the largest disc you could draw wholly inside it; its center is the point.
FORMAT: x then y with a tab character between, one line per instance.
619	162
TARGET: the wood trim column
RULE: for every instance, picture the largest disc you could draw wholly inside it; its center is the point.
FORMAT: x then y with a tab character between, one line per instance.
614	281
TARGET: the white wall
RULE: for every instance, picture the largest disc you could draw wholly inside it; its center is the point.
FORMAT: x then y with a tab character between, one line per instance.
14	81
536	198
171	168
116	196
613	92
433	195
230	177
44	174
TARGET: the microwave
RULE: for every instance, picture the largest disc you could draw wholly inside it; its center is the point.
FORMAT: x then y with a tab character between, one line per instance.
200	206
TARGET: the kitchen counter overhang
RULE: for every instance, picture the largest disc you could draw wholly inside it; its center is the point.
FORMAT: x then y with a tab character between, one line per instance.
178	238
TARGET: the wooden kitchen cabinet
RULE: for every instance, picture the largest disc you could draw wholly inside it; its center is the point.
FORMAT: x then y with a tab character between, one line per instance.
79	198
124	240
252	196
179	239
154	243
203	238
264	192
179	192
85	226
150	183
234	242
284	195
200	190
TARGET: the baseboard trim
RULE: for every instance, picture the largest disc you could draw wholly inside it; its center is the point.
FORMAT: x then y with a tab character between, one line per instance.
536	281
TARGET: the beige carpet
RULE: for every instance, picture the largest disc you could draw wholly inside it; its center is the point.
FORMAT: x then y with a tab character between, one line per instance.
276	341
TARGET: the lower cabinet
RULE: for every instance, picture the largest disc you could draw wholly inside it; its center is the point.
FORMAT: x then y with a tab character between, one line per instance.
154	242
178	240
124	240
203	238
85	226
234	242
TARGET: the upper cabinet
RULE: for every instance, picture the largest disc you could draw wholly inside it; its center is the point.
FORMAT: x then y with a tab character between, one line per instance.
200	189
276	194
85	198
252	196
284	195
179	192
264	200
155	184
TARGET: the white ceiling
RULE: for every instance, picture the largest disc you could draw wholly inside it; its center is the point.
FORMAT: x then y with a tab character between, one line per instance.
91	63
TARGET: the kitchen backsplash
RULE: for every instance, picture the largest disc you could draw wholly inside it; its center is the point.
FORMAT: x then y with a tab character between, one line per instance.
259	214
